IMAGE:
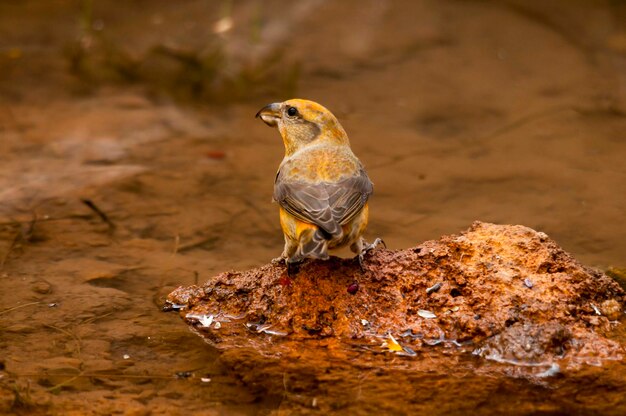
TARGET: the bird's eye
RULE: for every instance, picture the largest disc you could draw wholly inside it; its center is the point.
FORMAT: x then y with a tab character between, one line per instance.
292	111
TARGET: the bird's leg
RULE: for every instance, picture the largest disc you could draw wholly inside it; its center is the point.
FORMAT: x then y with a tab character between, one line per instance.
294	261
361	248
288	252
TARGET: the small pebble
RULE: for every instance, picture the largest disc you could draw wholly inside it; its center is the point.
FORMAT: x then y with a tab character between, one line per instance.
205	380
611	309
42	287
217	325
528	283
126	356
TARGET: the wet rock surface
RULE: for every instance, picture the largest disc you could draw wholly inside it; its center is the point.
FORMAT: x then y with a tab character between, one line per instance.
504	293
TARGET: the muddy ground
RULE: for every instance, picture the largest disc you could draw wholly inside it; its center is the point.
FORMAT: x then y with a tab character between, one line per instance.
131	163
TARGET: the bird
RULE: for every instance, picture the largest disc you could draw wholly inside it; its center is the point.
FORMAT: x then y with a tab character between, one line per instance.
321	187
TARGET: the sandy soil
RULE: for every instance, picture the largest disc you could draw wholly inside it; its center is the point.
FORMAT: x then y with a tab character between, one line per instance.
505	112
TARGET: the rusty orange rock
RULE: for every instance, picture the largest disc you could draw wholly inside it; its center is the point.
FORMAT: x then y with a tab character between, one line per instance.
502	292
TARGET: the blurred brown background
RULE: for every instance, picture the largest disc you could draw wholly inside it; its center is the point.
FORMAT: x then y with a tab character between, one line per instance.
501	111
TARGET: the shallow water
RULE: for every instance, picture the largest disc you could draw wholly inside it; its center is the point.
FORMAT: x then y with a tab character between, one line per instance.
505	112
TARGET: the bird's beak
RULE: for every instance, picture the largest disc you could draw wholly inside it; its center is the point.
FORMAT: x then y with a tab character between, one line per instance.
270	114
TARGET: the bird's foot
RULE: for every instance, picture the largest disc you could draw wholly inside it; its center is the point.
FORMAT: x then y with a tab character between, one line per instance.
278	261
369	247
292	268
372	246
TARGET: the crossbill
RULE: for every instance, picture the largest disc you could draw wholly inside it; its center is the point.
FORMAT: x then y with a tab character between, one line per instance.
321	186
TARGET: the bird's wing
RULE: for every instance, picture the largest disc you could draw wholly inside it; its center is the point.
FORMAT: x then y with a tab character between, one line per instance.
325	204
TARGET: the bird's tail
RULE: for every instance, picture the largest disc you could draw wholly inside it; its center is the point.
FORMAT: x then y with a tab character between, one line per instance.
314	245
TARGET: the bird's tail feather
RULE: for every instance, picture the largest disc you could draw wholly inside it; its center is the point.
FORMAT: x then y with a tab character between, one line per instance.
315	247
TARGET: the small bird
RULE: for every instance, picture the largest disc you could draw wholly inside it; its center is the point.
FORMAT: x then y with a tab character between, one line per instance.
321	186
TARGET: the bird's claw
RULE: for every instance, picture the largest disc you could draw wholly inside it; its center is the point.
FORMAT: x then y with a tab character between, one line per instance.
369	247
376	243
292	268
278	261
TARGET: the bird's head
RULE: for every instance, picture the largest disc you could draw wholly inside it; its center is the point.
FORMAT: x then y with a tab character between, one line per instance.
303	122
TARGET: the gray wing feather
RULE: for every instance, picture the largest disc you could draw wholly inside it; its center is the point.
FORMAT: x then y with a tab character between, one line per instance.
327	205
